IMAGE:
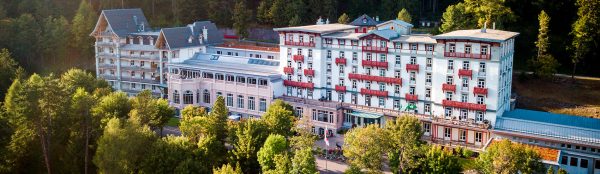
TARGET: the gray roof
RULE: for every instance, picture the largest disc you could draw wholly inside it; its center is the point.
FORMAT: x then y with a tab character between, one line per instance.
387	34
489	35
232	64
399	22
425	39
125	21
368	21
322	28
178	37
566	128
343	35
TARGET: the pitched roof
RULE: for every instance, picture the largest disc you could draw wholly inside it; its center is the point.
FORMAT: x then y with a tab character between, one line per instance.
364	20
490	35
387	34
125	21
178	37
399	22
414	38
561	127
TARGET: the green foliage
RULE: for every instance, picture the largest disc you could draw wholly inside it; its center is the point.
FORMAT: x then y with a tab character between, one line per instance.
508	157
191	111
242	16
250	136
8	71
544	64
456	17
220	11
55	32
166	156
83	131
218	117
295	21
585	30
403	15
119	147
344	19
488	11
404	136
562	171
304	161
274	145
116	104
279	118
283	164
262	12
365	147
146	110
440	161
550	170
77	78
83	24
227	169
278	14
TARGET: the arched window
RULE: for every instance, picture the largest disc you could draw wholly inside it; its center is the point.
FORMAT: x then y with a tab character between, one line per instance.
176	97
188	97
206	96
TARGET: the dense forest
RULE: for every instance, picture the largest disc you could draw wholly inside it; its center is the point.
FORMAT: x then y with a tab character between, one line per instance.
47	36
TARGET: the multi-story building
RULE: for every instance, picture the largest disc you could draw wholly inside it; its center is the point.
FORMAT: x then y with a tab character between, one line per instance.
457	82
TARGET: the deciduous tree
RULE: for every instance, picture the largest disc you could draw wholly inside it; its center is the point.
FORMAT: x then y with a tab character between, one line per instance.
227	169
304	161
274	145
585	31
250	136
241	18
279	118
83	24
507	157
456	17
365	147
9	70
403	15
404	136
438	160
344	19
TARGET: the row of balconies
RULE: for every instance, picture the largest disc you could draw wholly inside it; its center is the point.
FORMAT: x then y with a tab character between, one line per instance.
476	90
302	44
307	85
375	78
307	72
467	55
464	105
375	49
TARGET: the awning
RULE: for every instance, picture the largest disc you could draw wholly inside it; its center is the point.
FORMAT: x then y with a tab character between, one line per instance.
366	114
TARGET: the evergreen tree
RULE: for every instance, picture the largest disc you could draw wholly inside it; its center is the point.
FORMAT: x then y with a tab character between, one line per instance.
278	13
83	24
295	8
262	12
456	17
81	138
219	115
488	11
250	136
9	70
544	65
115	104
295	21
55	36
241	18
403	15
585	31
227	169
343	19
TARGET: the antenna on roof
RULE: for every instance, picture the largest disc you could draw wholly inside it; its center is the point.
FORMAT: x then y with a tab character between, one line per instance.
494	25
327	22
484	27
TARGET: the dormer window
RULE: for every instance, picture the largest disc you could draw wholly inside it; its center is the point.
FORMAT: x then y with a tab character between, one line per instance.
190	39
151	40
131	40
364	20
141	39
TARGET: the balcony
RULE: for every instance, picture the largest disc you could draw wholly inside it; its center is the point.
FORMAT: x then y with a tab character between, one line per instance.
465	72
449	87
412	67
309	72
465	55
298	58
374	63
464	105
299	84
375	49
482	91
288	70
375	78
340	60
411	97
302	44
340	88
378	93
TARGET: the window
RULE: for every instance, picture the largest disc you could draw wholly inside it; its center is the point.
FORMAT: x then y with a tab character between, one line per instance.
479	116
311	39
354	69
573	161
413	46
428	78
413	76
263	82
584	163
398	60
229	78
465	82
452	48
309	93
467	49
353	84
263	105
427	92
597	166
450	64
481	66
481	83
251	103
427	108
448	95
241	79
463	135
219	77
464	97
396	89
448	112
429	47
368	85
188	97
411	90
484	50
480	99
341	97
341	69
381	102
240	101
289	51
427	127
478	137
447	132
206	97
396	104
176	97
428	62
251	81
354	42
466	65
382	72
382	58
328	53
564	160
463	114
413	60
353	98
342	41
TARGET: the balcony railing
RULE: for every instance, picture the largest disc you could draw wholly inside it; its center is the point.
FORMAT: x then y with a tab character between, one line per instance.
411	97
302	44
298	58
309	72
448	87
340	60
465	55
299	84
412	67
288	70
378	93
465	72
374	63
374	49
464	105
375	78
340	88
482	91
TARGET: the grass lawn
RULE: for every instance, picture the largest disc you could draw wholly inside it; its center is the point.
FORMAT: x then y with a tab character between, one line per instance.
467	163
174	122
559	95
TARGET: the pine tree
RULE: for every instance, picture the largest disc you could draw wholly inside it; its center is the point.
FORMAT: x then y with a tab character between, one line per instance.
219	115
295	21
544	65
83	24
403	15
585	31
262	12
456	17
241	18
277	13
344	19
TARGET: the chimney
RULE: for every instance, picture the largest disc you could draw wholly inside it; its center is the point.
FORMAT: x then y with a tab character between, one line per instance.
205	34
327	22
377	18
494	25
484	27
